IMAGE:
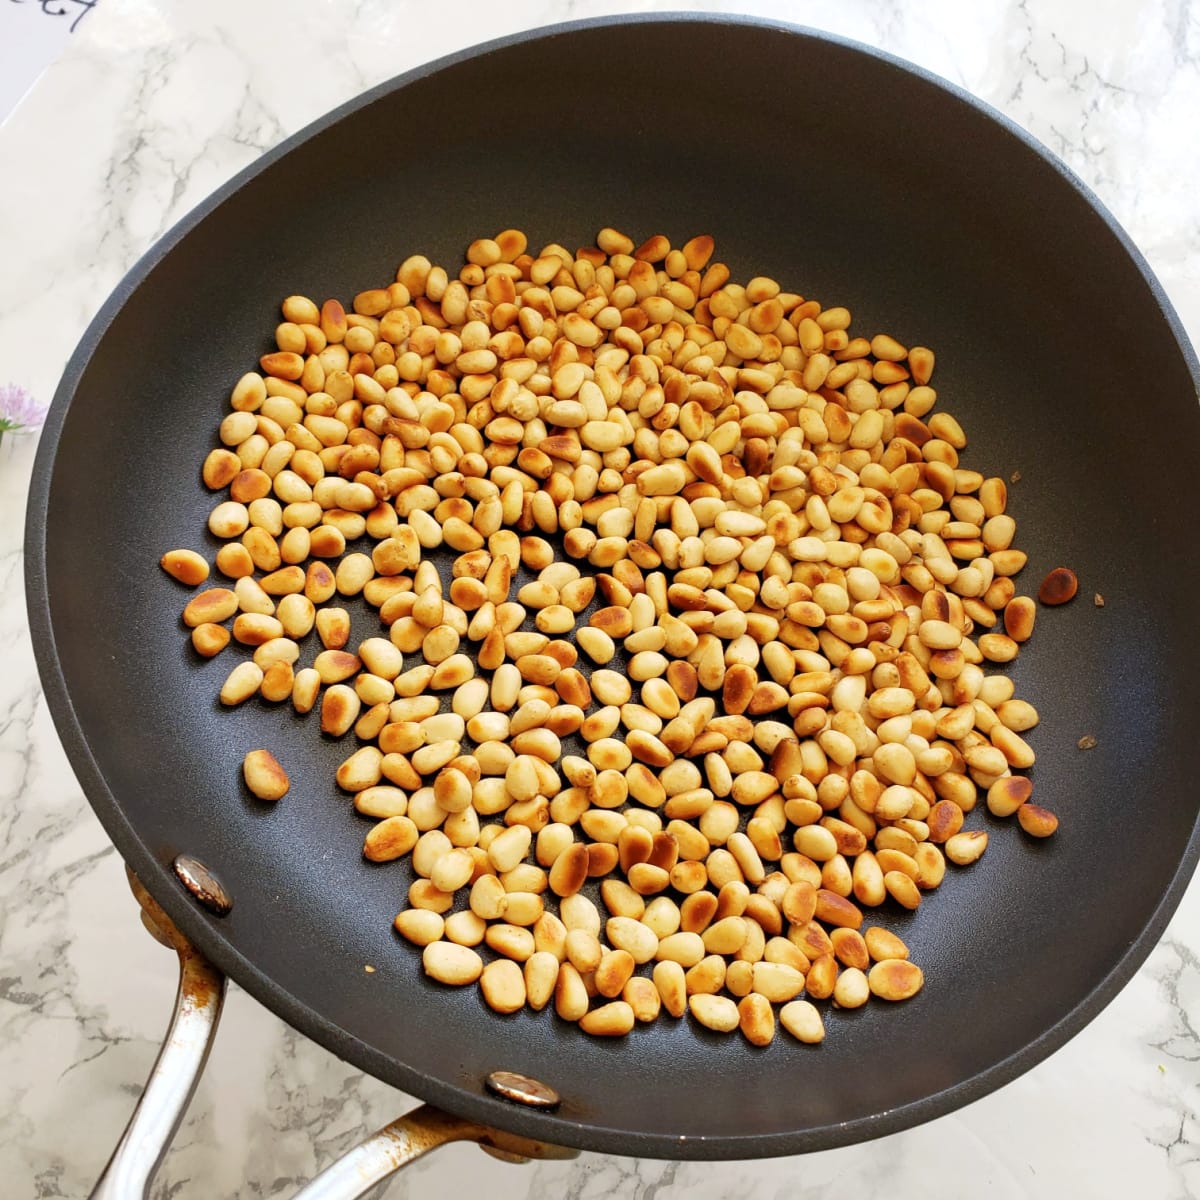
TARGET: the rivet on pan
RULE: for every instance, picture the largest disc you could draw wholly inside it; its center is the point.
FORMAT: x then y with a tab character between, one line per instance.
203	884
520	1089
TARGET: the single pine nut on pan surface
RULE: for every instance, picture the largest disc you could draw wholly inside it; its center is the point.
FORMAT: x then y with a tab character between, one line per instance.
681	634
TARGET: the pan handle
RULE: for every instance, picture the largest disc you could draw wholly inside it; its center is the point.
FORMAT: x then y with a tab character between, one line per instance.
411	1137
176	1072
177	1069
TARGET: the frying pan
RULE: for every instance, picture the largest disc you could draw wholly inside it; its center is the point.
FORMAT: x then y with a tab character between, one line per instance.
849	176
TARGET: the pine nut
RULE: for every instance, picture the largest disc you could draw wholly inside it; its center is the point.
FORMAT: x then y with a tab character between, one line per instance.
803	1021
420	926
1058	587
895	979
966	848
1036	821
540	975
185	565
264	776
718	1013
452	964
209	639
242	683
614	1019
392	838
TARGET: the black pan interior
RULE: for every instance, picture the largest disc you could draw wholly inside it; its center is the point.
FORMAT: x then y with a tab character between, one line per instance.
848	177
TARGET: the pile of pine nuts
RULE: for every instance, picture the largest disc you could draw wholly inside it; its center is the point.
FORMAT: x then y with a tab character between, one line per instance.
715	605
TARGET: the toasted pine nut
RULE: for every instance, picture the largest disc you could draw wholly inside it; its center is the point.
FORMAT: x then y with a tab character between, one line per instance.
452	964
895	979
718	1013
419	926
614	1019
756	1019
209	639
243	681
540	974
185	565
392	838
803	1021
965	848
902	889
264	776
1058	587
340	707
210	607
1036	821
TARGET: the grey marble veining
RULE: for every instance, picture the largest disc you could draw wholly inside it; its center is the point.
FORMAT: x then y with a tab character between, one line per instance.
155	103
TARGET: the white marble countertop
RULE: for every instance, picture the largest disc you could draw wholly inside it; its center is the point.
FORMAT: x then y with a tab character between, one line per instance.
151	106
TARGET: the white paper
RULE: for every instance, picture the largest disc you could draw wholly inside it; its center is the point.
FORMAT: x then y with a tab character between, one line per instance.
33	33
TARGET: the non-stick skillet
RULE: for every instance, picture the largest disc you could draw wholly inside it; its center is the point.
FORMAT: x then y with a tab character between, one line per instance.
849	176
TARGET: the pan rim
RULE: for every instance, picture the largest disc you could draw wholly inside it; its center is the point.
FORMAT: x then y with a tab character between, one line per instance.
205	931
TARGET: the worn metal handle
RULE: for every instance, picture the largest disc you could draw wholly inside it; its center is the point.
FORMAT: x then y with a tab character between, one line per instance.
408	1138
177	1070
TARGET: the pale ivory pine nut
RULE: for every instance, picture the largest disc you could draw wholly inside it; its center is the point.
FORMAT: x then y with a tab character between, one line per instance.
242	683
718	1013
852	989
540	974
381	801
305	688
451	964
583	950
420	926
803	1021
778	982
965	848
631	935
670	982
488	898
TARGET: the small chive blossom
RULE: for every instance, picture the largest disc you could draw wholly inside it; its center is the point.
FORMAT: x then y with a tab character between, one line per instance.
19	410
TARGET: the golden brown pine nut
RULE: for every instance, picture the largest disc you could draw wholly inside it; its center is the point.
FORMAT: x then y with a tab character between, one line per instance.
614	1019
264	776
895	979
1037	821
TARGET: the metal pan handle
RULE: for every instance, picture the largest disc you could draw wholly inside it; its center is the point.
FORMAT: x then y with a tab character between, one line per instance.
408	1138
168	1091
176	1071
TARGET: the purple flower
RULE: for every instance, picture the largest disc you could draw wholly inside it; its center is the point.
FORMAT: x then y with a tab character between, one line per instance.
18	409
